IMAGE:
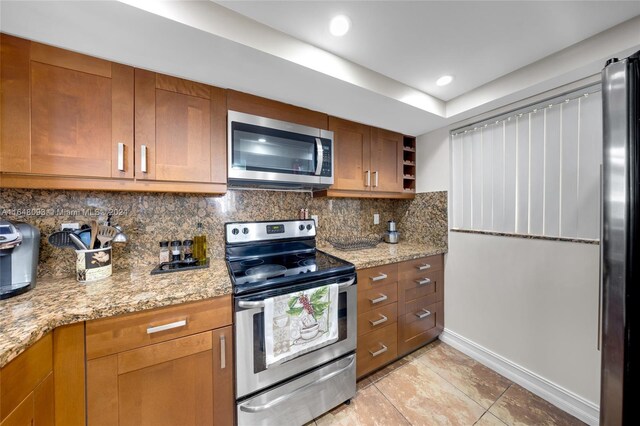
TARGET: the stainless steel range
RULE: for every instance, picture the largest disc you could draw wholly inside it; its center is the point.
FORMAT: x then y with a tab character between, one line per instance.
267	260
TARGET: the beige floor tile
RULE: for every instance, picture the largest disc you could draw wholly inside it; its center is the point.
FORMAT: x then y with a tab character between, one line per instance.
388	369
425	398
363	383
423	350
518	406
480	383
489	419
368	408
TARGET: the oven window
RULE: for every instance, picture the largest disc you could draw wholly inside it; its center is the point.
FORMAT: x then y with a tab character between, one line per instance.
259	356
262	149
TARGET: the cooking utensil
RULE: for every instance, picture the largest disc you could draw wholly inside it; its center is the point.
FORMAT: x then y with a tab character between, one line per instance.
85	236
106	234
94	233
61	239
77	241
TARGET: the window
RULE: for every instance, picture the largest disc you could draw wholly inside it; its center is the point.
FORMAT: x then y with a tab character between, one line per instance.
532	172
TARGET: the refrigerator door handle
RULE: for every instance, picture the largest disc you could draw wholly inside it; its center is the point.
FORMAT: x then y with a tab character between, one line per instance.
600	278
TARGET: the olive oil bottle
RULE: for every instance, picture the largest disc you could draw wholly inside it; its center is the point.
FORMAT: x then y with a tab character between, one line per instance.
200	243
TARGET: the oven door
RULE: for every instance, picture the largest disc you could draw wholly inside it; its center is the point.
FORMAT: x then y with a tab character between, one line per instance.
251	372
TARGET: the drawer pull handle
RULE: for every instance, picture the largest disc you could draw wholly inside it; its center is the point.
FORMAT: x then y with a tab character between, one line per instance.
379	321
165	327
143	158
382	298
223	352
379	351
380	277
423	281
121	156
423	267
423	313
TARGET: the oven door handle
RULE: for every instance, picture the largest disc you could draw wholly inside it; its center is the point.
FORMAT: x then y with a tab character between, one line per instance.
252	304
279	400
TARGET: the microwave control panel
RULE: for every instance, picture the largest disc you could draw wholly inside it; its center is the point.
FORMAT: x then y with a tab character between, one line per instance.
326	158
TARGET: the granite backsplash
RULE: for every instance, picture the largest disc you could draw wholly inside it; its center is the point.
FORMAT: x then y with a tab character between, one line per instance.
148	218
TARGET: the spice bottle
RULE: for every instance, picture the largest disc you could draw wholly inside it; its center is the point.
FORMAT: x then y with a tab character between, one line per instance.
200	243
187	249
176	250
164	251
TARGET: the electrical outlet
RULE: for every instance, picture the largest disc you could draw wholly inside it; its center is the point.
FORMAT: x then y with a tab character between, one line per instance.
376	219
71	226
315	217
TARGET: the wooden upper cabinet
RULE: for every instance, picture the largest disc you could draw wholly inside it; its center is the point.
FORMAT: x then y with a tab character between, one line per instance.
352	155
386	160
180	129
64	113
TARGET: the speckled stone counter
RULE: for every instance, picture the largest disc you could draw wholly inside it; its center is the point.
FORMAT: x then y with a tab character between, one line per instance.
384	253
59	301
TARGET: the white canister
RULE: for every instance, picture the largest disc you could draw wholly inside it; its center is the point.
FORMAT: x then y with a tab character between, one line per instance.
93	265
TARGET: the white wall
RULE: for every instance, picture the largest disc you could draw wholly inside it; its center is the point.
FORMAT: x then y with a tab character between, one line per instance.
532	302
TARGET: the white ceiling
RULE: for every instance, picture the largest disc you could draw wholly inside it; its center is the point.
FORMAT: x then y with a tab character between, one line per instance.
415	42
374	80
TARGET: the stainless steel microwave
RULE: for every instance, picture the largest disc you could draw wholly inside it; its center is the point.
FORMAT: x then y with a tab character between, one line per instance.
273	153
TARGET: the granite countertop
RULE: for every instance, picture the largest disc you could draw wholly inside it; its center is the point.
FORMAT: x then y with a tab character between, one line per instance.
59	301
384	253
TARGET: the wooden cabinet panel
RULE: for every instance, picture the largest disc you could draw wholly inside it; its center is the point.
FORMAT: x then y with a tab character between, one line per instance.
386	160
111	335
21	376
102	391
409	290
22	415
377	297
415	328
69	370
376	349
375	277
377	318
352	155
224	404
250	104
43	403
59	108
415	268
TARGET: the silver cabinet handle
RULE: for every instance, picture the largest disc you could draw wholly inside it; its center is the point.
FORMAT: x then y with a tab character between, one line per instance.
379	351
423	267
423	313
166	327
379	277
379	321
121	156
143	158
423	281
368	178
279	400
223	352
382	298
376	179
320	153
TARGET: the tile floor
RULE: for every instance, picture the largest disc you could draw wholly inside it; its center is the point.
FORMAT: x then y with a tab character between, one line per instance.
438	385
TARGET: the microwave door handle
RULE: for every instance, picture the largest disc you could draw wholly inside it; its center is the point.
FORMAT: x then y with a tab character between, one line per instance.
320	155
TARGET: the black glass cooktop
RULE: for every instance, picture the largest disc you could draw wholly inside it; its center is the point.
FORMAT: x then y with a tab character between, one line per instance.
266	271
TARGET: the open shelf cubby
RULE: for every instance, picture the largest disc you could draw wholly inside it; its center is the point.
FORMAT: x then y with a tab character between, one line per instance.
409	164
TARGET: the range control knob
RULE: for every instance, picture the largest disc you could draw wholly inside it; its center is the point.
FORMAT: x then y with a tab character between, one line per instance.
309	227
245	231
301	227
235	231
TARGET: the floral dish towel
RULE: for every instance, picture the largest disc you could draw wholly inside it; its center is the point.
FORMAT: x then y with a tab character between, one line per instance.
300	322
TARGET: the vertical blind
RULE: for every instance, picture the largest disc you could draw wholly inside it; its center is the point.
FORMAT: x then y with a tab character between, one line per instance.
534	172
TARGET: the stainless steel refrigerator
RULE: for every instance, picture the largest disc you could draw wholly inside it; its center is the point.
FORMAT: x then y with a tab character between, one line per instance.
620	239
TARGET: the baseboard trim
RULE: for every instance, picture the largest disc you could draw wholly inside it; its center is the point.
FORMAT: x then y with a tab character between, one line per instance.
558	396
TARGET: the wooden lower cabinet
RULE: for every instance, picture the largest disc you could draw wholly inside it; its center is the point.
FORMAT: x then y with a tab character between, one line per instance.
183	380
400	308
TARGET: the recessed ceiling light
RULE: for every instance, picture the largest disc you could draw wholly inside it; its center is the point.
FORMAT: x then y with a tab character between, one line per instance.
262	140
444	80
339	25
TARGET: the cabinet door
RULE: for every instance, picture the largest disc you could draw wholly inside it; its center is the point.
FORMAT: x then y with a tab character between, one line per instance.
180	129
223	397
352	152
64	113
386	161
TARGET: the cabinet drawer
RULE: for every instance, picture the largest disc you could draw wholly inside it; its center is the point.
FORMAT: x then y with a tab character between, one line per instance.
376	349
414	269
375	277
377	297
112	335
428	284
377	318
419	325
